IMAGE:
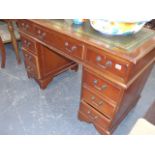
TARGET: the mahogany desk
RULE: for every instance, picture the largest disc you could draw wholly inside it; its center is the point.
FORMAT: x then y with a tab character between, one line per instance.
115	69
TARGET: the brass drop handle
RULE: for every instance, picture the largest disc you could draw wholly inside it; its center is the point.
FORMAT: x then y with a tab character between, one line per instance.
93	118
39	32
98	104
29	57
25	26
95	81
92	97
108	63
103	87
41	35
70	48
66	44
27	43
73	48
98	58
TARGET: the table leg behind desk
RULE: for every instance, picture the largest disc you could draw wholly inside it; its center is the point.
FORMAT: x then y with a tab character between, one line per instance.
13	40
3	53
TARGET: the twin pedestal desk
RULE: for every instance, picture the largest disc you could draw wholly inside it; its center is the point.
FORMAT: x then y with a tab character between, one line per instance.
115	69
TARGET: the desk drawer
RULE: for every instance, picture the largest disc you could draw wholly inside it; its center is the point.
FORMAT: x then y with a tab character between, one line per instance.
98	103
93	116
60	42
25	26
103	62
72	47
31	64
29	44
102	86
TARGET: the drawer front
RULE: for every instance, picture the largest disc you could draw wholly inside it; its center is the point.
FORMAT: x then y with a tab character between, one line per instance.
29	44
102	86
94	116
104	62
60	42
71	47
31	64
25	26
98	103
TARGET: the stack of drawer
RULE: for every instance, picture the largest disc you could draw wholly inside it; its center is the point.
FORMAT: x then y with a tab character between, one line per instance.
30	57
101	97
99	100
105	102
29	49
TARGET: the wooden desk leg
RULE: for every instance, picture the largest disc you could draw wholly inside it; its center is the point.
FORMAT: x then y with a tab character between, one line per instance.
3	53
75	68
14	42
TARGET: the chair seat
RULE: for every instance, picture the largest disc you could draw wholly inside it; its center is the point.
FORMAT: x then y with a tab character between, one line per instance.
5	35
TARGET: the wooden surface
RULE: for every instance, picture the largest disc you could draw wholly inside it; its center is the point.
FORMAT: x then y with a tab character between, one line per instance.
132	51
113	74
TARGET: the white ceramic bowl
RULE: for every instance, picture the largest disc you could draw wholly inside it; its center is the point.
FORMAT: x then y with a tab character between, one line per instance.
116	27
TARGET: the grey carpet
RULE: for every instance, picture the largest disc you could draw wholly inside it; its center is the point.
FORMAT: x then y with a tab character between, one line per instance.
25	109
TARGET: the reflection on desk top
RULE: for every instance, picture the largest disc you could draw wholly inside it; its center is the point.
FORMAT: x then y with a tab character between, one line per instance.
131	47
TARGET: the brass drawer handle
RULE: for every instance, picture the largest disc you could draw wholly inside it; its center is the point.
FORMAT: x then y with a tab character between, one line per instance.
98	104
93	118
39	32
41	35
22	24
27	43
92	97
98	58
73	48
108	63
25	26
95	81
103	87
70	48
28	57
66	44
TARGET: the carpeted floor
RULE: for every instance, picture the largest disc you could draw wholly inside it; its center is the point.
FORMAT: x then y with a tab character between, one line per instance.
25	109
